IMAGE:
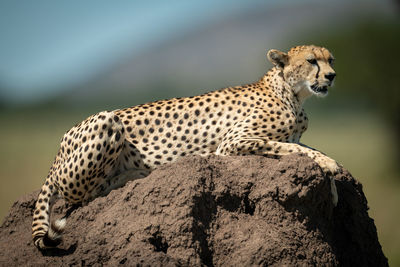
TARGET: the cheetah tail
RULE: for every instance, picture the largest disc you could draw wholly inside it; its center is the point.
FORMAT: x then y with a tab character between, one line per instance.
46	235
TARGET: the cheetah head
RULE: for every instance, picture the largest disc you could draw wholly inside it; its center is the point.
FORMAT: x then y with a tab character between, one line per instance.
307	69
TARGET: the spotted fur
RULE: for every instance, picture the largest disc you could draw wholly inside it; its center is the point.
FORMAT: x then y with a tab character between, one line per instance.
264	118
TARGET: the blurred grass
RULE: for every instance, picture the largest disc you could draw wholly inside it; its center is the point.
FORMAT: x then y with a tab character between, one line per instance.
357	138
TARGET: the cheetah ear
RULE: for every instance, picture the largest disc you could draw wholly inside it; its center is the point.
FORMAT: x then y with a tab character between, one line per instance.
278	58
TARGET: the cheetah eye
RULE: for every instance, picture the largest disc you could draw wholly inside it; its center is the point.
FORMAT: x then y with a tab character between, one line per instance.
312	61
330	61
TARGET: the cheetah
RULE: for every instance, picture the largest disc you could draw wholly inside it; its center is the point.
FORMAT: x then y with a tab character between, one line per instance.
112	147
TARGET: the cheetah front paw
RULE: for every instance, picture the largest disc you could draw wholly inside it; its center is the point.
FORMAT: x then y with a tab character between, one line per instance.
328	165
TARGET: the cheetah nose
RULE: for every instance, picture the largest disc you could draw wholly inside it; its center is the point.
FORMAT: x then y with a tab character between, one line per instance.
330	76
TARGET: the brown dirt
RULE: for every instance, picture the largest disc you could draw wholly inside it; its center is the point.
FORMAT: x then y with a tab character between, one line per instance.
214	211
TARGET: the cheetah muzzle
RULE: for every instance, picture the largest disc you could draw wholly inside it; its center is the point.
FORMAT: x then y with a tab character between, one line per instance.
323	90
112	147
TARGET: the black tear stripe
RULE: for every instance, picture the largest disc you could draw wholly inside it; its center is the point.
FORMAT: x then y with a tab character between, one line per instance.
317	71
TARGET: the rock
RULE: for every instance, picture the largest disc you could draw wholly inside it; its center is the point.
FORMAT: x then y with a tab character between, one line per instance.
213	211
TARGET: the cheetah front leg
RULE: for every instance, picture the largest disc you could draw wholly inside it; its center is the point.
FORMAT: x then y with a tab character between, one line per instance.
261	146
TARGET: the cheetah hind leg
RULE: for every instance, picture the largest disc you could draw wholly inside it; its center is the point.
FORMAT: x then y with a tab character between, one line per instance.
80	166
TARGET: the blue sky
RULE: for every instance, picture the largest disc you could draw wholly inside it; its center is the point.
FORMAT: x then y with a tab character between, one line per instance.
47	44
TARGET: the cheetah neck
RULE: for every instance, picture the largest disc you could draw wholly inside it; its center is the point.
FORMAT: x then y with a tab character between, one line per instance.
274	81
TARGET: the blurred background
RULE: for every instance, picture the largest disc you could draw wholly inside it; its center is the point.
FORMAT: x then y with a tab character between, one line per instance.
63	61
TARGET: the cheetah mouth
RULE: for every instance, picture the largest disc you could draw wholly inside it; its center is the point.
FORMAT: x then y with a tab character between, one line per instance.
320	90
